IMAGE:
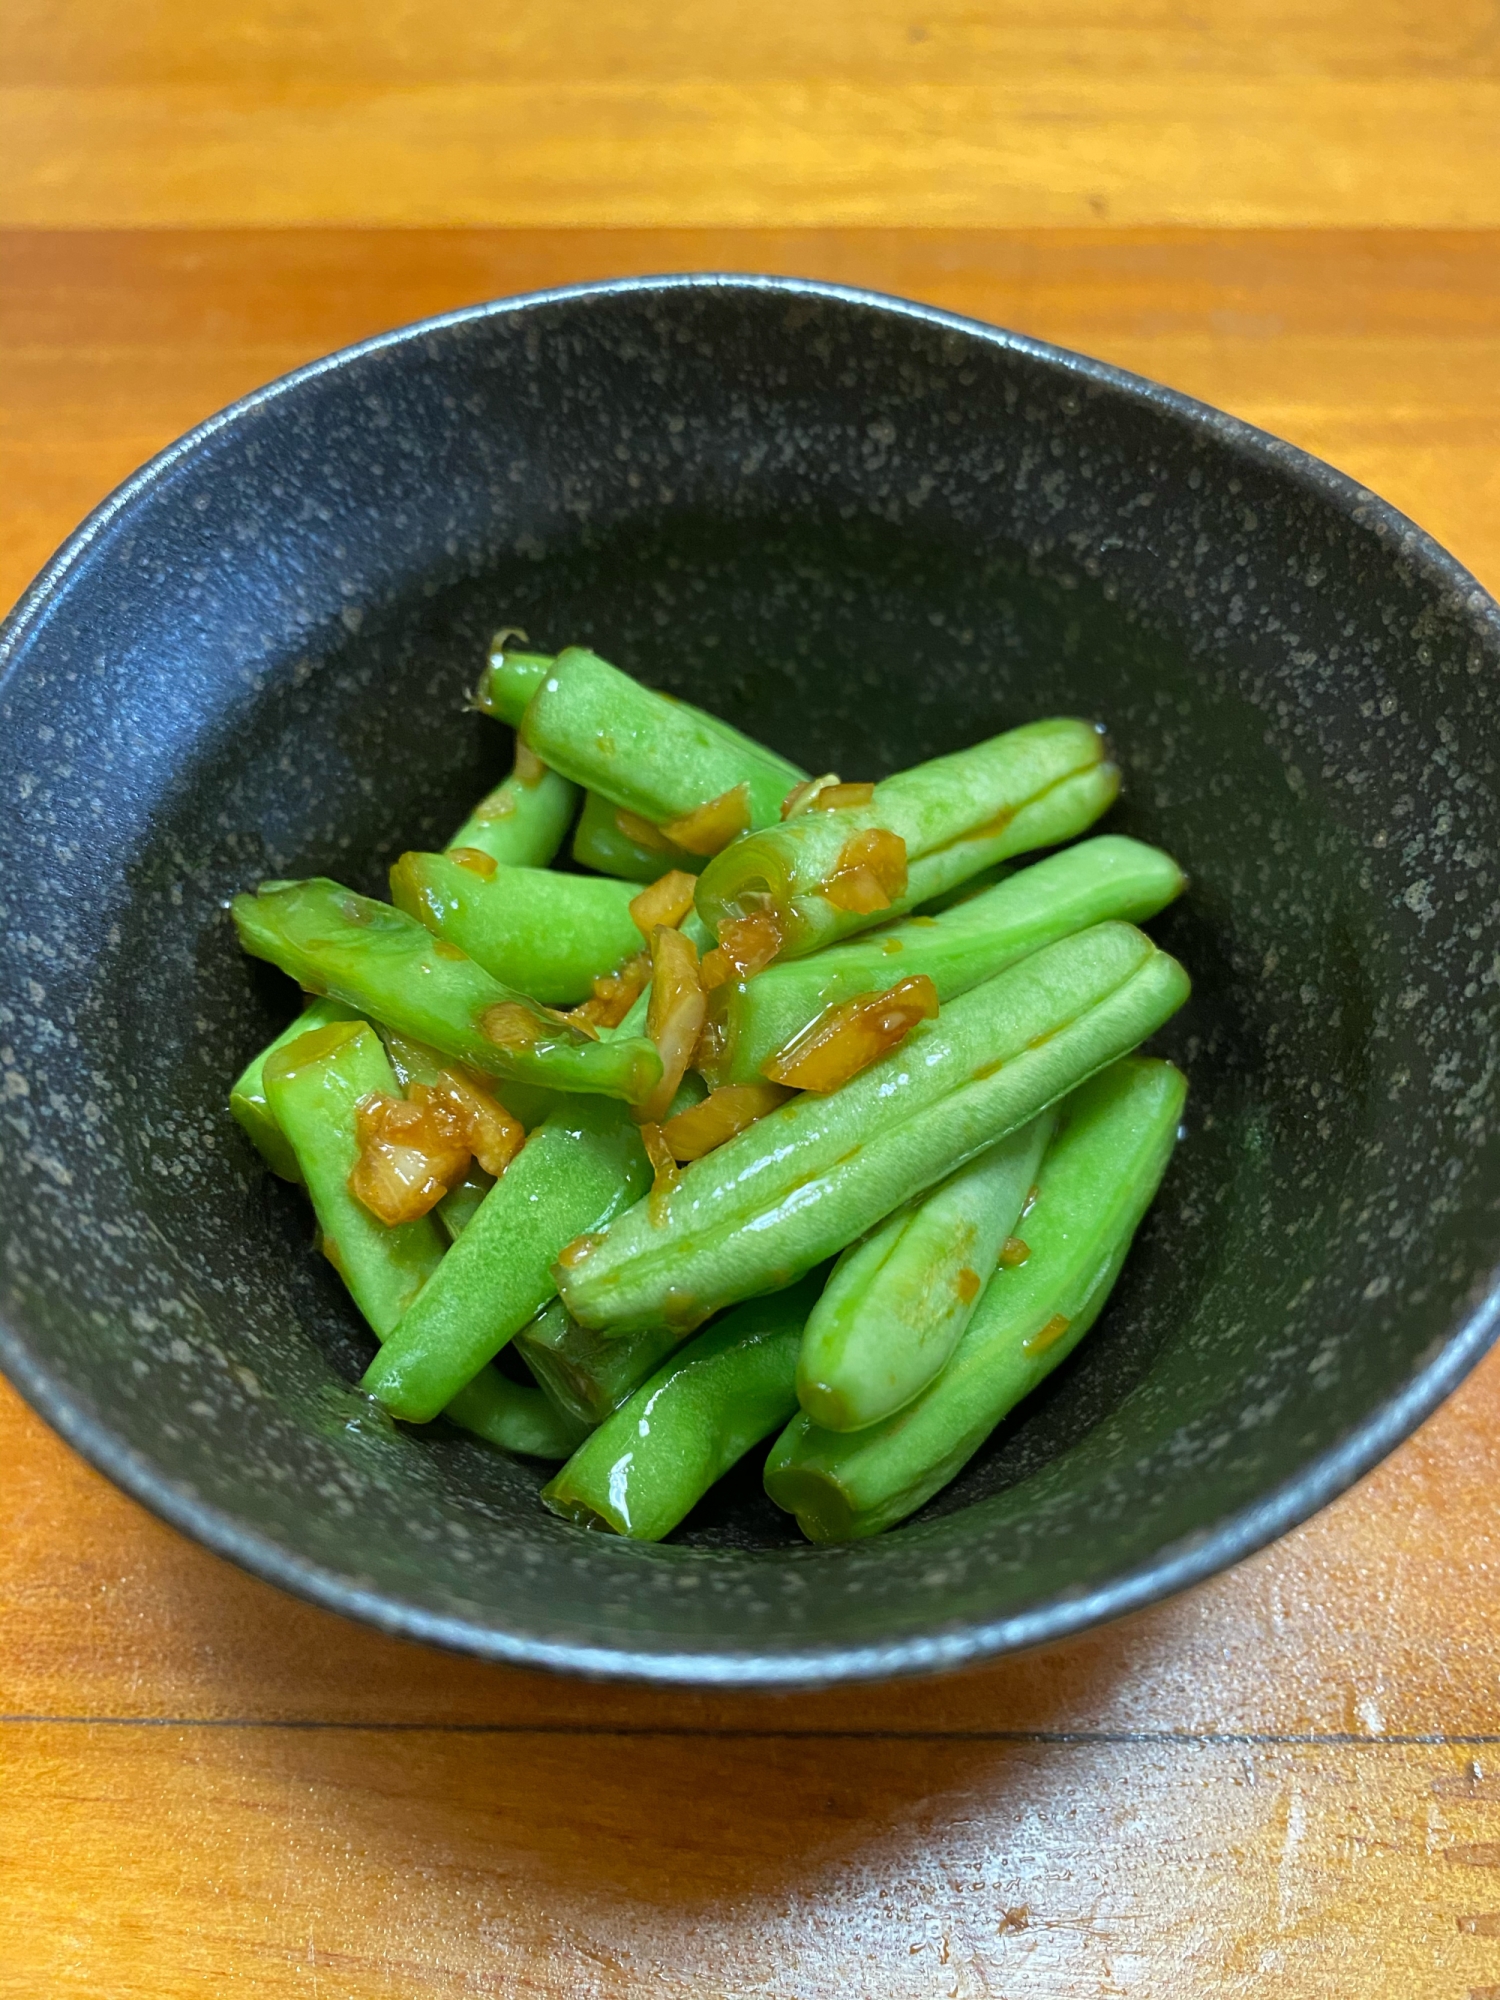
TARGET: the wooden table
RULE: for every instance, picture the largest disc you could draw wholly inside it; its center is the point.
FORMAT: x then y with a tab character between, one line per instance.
1284	1783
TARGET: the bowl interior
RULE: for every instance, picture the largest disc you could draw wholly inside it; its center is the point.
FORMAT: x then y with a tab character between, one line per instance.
868	536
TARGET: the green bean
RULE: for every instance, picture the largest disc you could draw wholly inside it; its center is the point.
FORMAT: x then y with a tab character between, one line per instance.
652	1461
510	1414
459	1205
384	964
522	822
1109	876
315	1085
414	1062
634	1022
600	842
656	757
964	891
1095	1184
809	1177
897	1303
509	680
586	1375
547	935
1033	787
247	1100
516	1416
589	1374
581	1165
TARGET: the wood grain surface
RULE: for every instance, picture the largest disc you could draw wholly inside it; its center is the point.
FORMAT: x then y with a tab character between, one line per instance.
1379	350
939	113
1285	1783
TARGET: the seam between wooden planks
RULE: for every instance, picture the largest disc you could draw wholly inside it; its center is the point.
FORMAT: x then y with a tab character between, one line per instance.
1231	1739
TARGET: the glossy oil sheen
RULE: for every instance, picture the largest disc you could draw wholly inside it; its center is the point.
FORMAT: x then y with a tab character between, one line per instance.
868	533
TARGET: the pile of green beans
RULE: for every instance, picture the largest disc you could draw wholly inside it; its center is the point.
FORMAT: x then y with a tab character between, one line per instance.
872	1273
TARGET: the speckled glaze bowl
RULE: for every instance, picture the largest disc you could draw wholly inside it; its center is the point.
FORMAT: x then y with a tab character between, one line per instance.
869	533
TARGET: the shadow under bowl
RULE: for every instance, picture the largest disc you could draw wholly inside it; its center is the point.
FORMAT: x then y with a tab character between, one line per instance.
869	533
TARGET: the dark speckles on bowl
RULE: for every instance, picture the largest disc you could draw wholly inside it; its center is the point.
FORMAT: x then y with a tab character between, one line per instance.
869	533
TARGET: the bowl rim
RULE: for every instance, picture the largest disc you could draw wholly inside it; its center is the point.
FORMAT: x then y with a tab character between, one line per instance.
1174	1567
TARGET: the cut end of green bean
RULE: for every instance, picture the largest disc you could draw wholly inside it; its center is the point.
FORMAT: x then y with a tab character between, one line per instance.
569	1507
822	1508
511	677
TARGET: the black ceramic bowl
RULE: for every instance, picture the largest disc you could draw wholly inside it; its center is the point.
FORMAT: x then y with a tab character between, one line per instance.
868	533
